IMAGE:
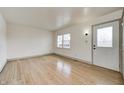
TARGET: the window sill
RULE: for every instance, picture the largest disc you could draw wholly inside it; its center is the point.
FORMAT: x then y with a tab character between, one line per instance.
63	48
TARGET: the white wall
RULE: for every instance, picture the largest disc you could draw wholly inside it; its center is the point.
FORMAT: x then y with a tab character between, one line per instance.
27	41
3	54
79	48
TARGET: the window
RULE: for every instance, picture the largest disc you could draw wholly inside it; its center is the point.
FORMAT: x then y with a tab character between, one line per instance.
104	37
66	41
63	41
59	41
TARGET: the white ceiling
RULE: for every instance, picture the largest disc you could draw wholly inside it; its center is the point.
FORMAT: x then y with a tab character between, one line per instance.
52	18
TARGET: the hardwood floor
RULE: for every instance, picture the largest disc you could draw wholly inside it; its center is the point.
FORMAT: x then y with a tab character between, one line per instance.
55	69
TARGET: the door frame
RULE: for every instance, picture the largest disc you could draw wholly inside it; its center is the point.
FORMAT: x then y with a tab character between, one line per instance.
119	20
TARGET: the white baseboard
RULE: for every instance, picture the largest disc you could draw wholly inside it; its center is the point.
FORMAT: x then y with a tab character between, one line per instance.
18	58
73	58
3	65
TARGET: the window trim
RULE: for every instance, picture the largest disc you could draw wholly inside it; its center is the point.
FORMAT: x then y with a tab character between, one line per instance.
62	41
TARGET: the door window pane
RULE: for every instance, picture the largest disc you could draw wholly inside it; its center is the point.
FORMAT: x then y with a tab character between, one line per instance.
104	37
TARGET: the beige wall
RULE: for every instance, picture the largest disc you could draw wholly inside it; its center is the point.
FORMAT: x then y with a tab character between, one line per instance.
26	41
79	48
3	54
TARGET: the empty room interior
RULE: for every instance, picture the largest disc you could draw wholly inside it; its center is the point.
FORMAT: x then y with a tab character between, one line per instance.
61	46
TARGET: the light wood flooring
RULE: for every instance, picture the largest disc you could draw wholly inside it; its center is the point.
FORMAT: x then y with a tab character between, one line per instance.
55	69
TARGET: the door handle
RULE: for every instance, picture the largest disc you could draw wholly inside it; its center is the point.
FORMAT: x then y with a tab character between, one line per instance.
94	47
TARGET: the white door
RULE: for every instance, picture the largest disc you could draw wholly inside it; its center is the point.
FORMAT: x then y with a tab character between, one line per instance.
106	45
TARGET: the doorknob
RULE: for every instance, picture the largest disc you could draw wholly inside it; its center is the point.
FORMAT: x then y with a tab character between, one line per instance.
94	47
